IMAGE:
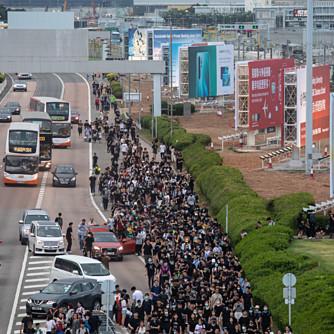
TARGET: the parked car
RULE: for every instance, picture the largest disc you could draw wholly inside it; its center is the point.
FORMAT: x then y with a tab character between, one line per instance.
24	76
74	117
45	237
76	266
107	241
20	85
25	222
14	107
65	292
5	115
64	175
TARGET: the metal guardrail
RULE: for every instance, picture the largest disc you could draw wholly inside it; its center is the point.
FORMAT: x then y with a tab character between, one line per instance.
276	154
138	126
323	159
232	138
323	206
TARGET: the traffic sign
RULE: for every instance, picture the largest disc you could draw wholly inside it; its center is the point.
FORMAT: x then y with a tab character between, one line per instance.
289	295
289	280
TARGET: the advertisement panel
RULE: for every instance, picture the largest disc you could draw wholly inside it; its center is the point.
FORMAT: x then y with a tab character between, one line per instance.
265	92
321	105
138	44
331	145
211	70
179	37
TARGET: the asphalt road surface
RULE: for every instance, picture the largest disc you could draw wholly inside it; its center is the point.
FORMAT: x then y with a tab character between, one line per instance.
74	203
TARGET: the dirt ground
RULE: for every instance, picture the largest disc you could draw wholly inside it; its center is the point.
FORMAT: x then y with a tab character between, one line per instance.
267	183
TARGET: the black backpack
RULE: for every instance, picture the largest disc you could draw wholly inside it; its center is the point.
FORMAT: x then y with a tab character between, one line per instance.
94	323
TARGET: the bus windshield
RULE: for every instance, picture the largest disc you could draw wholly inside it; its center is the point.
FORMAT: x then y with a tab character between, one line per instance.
44	126
22	141
61	130
58	111
21	165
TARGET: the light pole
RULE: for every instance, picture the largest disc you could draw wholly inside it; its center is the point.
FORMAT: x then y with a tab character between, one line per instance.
309	99
171	79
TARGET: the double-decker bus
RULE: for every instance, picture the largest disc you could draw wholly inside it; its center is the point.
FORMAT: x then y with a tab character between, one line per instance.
60	113
22	154
45	135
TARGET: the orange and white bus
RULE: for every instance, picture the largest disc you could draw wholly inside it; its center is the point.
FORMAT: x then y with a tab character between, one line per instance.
60	113
22	154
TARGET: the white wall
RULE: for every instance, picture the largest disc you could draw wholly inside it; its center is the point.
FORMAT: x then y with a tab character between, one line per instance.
40	20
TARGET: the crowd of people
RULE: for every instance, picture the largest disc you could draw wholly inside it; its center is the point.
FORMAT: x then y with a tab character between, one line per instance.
74	320
196	284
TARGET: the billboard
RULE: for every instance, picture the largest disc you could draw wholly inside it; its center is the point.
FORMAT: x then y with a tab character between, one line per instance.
211	70
179	37
138	43
321	103
265	92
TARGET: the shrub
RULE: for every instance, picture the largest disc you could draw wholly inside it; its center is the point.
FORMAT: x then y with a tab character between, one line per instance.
118	93
2	77
111	77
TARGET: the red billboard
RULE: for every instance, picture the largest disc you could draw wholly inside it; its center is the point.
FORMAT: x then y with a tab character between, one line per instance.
321	103
265	92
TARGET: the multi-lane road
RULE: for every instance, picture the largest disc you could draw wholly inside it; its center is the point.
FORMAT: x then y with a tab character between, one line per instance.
21	273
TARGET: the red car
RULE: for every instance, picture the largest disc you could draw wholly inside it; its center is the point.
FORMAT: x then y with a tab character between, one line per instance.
107	241
74	117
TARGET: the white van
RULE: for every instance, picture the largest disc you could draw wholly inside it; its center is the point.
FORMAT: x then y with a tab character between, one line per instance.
75	266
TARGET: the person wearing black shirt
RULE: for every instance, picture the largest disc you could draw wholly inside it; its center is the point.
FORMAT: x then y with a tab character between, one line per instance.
151	271
154	324
88	244
248	299
92	182
24	323
134	323
69	237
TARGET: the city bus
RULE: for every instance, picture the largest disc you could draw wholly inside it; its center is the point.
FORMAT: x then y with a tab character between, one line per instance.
45	135
60	113
22	154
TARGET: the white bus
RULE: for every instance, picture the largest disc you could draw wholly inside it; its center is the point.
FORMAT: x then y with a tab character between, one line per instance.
60	113
22	154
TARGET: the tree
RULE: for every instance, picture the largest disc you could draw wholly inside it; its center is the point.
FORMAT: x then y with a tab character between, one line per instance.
4	11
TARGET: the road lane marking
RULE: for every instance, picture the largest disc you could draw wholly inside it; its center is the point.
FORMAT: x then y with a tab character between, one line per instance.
34	286
17	293
39	262
62	85
90	151
36	280
42	191
27	293
37	274
37	268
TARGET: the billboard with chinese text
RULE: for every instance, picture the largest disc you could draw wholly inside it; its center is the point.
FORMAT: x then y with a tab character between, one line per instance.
265	92
211	70
321	103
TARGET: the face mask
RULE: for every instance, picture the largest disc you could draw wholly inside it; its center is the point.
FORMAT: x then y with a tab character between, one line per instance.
150	260
161	262
172	263
146	297
206	304
195	312
167	306
216	265
265	309
166	313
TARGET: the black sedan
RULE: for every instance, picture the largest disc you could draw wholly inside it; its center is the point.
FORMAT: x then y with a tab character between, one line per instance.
64	292
64	175
14	107
5	115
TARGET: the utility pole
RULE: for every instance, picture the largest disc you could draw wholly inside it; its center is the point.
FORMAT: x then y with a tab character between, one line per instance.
238	47
139	117
129	95
325	47
171	77
309	98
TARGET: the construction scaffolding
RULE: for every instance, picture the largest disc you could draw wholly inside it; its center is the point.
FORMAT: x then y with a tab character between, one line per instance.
290	106
242	94
184	71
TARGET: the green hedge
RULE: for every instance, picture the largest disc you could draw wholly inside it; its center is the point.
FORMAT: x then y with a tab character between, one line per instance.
2	77
177	108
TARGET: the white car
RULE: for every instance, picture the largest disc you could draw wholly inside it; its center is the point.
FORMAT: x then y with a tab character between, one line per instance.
20	85
45	237
24	76
76	266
